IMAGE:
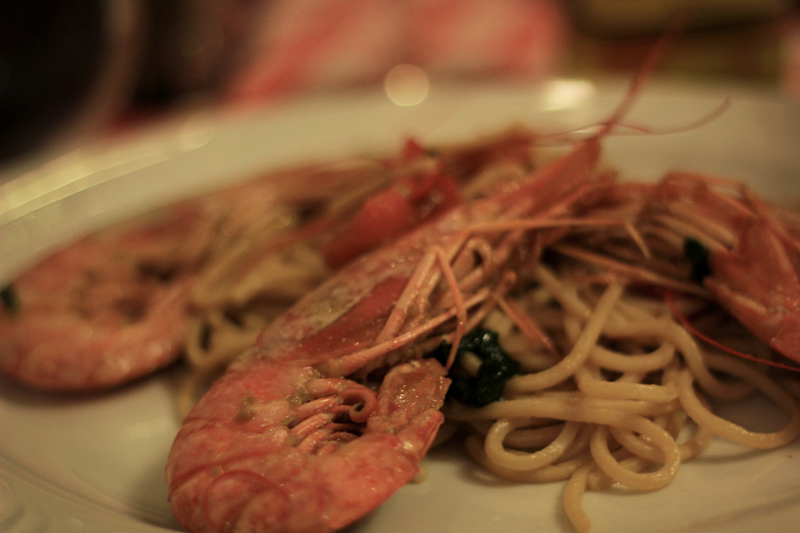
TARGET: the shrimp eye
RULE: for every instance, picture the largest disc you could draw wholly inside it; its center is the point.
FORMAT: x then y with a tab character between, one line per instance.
10	299
697	254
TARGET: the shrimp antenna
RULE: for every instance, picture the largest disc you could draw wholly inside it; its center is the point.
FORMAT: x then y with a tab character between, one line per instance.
645	72
693	124
694	331
652	61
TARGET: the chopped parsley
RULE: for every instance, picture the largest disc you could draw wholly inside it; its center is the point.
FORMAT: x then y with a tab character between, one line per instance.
495	369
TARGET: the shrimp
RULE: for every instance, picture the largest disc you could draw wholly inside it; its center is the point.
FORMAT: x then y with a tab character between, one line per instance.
753	260
114	306
293	436
107	309
713	236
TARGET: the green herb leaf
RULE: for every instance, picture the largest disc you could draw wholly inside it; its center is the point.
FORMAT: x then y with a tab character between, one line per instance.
495	370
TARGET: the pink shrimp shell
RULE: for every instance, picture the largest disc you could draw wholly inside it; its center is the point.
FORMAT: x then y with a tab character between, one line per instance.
234	464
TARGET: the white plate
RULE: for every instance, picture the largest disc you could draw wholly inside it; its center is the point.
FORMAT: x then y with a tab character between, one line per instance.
95	463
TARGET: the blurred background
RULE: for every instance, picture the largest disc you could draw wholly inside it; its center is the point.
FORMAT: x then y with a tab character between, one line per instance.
73	70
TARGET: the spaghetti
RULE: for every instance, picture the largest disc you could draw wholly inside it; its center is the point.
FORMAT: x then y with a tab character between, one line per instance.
629	403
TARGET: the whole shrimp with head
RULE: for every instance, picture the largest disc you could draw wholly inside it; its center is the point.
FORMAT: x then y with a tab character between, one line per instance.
750	248
335	406
711	232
